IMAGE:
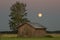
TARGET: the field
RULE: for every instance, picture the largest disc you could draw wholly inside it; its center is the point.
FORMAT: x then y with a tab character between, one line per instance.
13	37
29	38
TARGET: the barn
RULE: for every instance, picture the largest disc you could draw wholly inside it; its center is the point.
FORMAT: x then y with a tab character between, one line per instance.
29	29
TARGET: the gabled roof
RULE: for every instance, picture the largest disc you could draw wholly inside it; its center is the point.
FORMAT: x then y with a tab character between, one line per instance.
35	25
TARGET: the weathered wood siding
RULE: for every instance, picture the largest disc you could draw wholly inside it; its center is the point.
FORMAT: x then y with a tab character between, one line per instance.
28	31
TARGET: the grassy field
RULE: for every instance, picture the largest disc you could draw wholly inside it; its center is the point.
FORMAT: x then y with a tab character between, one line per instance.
6	38
13	37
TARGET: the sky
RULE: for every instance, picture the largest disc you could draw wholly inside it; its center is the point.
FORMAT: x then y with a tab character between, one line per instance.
49	8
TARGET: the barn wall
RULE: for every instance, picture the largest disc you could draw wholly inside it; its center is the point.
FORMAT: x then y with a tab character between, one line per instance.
28	31
40	33
22	30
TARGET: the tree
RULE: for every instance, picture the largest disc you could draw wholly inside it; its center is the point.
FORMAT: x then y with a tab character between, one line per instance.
17	15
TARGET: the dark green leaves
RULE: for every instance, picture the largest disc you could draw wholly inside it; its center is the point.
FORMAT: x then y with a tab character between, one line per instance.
17	15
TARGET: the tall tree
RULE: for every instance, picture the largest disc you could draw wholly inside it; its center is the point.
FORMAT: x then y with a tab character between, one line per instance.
17	15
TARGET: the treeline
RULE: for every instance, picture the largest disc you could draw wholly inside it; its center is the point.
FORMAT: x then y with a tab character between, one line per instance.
53	32
15	32
8	32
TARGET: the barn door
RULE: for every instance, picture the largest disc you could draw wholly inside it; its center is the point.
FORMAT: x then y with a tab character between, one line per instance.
26	32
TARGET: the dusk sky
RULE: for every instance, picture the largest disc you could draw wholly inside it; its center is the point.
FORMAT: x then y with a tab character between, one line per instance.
49	8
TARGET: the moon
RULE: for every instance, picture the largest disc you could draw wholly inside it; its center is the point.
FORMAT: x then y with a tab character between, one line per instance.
40	14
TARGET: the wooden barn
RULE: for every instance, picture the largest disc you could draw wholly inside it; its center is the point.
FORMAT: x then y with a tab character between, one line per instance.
31	30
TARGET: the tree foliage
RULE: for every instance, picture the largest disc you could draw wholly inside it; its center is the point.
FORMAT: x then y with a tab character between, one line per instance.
17	15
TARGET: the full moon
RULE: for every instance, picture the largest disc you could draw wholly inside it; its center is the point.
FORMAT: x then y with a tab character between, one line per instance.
40	14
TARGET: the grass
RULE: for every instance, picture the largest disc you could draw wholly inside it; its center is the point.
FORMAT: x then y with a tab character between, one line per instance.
13	37
6	38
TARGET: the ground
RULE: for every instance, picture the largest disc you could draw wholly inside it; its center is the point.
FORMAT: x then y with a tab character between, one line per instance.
13	37
29	38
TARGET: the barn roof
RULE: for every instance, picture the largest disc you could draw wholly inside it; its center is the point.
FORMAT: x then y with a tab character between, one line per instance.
35	25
